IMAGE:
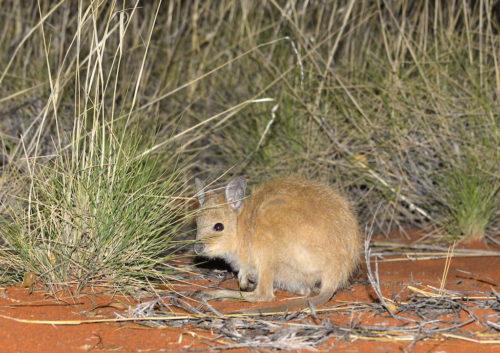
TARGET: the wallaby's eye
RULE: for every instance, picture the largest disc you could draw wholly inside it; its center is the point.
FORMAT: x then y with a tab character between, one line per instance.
219	227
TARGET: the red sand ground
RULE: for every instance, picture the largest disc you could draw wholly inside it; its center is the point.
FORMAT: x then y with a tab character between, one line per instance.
19	303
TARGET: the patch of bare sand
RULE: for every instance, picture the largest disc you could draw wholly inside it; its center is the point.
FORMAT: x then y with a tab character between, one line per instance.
360	323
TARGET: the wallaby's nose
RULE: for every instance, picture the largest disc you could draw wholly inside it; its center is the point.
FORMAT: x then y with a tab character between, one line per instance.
199	248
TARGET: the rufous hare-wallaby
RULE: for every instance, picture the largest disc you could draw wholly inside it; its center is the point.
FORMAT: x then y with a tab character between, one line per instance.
291	233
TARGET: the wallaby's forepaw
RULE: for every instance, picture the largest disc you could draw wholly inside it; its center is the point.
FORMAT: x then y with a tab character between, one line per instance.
247	286
247	281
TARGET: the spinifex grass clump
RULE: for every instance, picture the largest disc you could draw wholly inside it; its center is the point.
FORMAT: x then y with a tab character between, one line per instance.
93	206
96	214
471	198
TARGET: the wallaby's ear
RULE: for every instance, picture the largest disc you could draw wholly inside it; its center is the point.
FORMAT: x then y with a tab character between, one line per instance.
200	193
235	192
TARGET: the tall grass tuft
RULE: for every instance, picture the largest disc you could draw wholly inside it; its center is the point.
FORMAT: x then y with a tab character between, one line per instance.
97	206
99	216
471	199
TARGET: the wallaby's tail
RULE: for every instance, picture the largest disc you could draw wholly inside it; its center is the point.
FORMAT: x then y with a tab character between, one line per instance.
327	291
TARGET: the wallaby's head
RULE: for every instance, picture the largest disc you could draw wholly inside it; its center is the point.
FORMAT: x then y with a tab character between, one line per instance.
217	220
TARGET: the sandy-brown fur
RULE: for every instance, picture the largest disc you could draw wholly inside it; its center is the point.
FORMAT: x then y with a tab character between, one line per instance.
291	234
